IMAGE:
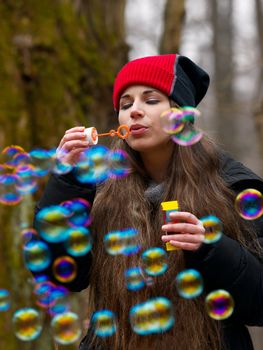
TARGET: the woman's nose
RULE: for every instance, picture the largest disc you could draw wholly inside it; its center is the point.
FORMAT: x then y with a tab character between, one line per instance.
137	111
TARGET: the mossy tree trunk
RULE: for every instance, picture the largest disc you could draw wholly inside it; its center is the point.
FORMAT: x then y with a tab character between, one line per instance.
58	59
173	22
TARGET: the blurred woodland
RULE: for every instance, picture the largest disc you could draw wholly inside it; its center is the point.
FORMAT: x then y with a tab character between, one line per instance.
58	60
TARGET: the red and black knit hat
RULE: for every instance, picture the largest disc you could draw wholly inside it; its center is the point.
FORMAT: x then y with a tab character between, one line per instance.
176	76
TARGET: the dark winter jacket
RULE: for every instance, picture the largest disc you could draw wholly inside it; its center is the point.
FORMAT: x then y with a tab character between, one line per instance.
223	265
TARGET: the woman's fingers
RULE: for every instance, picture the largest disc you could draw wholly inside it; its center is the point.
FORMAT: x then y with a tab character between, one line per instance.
72	136
70	145
75	129
184	238
185	245
71	157
184	216
184	228
185	231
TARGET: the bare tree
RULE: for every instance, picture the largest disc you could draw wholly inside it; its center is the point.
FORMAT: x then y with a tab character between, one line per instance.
173	21
222	24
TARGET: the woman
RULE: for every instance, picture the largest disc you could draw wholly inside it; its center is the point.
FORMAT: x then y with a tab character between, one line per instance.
203	179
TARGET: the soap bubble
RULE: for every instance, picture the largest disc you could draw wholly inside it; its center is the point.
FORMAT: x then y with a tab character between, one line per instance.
64	269
189	283
219	304
27	324
103	323
66	328
249	204
213	228
153	316
155	261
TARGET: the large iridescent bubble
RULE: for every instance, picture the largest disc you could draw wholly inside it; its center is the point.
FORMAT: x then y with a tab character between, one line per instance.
78	241
249	204
9	152
93	167
52	222
189	283
42	160
27	324
154	261
219	304
153	316
179	123
79	212
123	242
103	323
37	256
118	164
213	228
171	121
66	328
64	269
26	180
134	278
9	195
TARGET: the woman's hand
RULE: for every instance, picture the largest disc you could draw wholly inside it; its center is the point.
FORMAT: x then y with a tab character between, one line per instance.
186	232
72	145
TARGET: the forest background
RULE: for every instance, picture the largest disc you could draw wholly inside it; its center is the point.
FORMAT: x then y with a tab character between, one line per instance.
58	60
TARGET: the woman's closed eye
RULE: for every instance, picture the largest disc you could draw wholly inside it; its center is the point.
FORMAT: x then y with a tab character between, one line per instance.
152	101
125	105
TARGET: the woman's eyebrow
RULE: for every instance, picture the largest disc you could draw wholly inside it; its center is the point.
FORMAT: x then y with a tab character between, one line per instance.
144	93
124	96
148	92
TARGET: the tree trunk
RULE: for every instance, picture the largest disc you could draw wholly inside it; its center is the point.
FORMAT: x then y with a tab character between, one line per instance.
58	60
221	20
173	21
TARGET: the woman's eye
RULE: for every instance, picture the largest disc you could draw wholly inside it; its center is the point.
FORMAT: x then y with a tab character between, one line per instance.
152	101
125	106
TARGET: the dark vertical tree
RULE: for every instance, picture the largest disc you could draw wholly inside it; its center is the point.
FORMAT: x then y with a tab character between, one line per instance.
173	23
222	24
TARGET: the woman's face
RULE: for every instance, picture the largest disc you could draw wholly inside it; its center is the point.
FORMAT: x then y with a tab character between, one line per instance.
140	109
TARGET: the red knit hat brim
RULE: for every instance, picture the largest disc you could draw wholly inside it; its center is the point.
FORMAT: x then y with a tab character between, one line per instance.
154	71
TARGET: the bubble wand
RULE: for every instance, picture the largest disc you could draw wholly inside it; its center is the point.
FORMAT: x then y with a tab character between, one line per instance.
92	134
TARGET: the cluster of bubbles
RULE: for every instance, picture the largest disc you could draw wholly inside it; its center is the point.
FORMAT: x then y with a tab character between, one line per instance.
179	124
68	223
28	321
65	224
98	163
21	170
28	324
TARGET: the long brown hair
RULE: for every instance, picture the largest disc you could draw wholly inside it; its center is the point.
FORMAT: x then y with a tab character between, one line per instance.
193	178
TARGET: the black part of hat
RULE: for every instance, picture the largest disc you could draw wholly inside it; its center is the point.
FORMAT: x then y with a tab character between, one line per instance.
191	82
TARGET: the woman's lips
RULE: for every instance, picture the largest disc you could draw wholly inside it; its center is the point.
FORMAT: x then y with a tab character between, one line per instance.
138	131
